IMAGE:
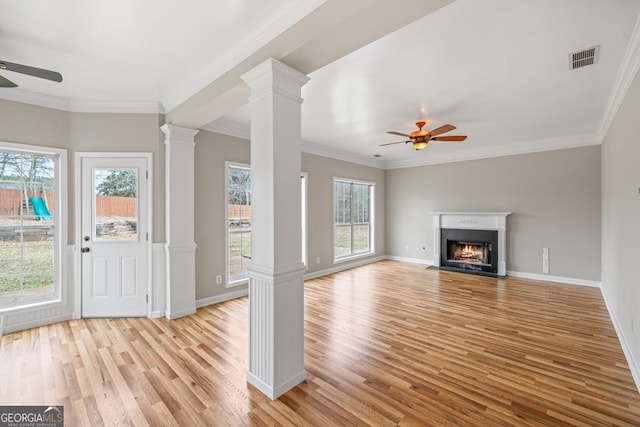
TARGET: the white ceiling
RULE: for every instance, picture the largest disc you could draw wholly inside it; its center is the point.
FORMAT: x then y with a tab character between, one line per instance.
496	69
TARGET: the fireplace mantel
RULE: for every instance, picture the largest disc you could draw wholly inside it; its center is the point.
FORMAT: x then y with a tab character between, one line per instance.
473	221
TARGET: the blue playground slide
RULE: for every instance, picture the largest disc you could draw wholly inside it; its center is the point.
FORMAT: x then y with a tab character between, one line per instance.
40	208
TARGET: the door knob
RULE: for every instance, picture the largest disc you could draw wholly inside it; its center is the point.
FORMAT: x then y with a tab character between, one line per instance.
85	250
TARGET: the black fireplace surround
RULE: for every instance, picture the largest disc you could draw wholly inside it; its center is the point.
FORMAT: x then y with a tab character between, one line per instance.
469	251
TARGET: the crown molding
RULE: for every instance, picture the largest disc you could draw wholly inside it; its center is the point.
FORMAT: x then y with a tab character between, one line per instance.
527	147
230	128
346	156
116	107
276	24
33	98
627	72
71	106
243	131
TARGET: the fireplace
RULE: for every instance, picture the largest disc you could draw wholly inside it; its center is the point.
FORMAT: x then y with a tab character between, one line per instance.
470	242
471	251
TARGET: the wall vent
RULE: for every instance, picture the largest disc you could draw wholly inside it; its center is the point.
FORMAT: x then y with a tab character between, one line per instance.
584	57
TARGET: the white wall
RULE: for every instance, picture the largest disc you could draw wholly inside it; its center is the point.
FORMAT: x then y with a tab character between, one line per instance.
621	223
212	150
554	197
33	125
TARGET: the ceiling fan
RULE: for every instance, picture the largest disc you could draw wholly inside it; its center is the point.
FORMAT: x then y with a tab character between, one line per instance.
420	138
25	69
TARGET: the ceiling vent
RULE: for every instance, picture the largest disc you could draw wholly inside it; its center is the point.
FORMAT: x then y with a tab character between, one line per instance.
584	57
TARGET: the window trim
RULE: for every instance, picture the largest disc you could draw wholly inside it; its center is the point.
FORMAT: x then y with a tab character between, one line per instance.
77	209
60	203
371	251
305	220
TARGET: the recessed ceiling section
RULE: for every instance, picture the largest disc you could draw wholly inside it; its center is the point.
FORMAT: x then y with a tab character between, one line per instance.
495	69
123	51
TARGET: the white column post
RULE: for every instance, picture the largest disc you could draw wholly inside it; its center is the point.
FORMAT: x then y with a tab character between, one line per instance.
180	248
276	305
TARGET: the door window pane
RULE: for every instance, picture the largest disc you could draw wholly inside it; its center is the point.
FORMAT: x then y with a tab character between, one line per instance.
115	216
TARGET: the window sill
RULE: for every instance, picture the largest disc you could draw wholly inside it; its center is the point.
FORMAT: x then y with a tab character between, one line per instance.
36	305
352	257
237	283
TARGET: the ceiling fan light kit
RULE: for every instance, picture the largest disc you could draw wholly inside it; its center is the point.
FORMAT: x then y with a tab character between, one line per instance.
419	145
420	138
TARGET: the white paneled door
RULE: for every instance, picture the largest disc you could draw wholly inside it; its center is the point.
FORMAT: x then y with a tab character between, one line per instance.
114	240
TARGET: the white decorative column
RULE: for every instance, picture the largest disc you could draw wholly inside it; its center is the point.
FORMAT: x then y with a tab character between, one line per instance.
276	306
179	219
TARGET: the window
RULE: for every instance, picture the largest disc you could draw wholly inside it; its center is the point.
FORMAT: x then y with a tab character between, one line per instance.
303	210
352	218
30	224
239	222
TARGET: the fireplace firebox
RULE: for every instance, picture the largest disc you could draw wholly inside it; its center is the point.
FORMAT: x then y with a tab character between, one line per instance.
482	238
470	251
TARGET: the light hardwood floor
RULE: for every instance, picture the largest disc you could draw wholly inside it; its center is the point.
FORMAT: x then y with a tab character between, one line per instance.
386	344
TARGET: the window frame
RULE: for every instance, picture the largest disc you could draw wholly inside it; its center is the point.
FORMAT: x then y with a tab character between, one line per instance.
305	218
371	251
245	280
60	218
304	176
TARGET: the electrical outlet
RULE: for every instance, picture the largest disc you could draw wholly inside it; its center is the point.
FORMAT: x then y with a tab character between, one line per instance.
545	260
318	260
218	279
406	248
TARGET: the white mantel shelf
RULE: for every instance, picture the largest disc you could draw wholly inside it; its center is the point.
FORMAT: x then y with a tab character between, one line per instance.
472	221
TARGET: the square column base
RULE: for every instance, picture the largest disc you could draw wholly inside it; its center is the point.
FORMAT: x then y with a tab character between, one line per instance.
276	329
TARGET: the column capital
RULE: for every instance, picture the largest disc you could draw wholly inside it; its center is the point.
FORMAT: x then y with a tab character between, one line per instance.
274	76
173	133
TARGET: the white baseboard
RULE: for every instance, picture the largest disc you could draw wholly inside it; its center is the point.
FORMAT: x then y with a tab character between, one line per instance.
426	262
222	298
558	279
532	276
180	313
343	266
14	327
275	392
634	366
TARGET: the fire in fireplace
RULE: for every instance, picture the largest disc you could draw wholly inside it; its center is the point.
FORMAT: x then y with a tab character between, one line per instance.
472	251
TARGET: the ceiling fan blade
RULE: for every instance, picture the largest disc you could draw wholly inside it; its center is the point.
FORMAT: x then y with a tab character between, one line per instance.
391	143
449	138
31	71
442	129
399	133
6	83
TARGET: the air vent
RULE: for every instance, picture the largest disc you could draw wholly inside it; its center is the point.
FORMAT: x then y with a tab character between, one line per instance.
584	57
